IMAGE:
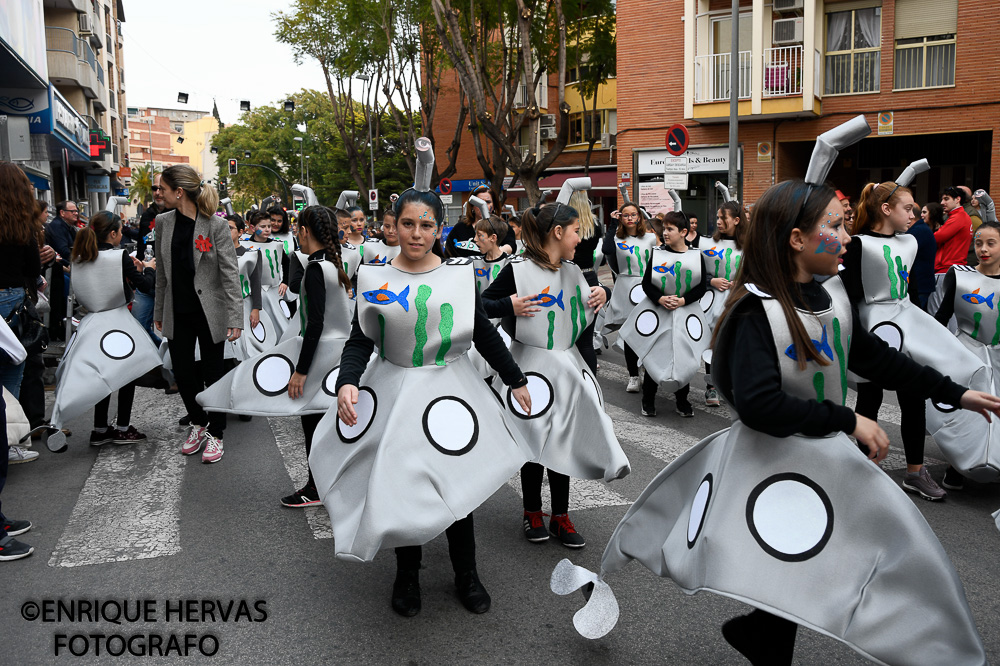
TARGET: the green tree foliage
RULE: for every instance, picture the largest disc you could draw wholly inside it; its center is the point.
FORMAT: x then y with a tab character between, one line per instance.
595	53
142	184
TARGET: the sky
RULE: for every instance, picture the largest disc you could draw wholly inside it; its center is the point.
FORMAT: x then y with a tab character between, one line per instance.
224	49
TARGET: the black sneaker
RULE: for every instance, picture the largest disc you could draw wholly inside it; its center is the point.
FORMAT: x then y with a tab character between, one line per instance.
534	527
128	436
406	592
246	417
561	527
685	409
101	437
307	496
185	420
15	527
12	549
471	592
952	479
648	408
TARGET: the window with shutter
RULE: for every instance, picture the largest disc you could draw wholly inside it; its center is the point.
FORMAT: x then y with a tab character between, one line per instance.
925	33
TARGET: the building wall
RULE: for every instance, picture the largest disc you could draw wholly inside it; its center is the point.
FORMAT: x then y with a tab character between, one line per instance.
197	146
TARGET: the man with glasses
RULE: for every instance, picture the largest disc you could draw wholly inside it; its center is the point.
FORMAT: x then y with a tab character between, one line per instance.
60	233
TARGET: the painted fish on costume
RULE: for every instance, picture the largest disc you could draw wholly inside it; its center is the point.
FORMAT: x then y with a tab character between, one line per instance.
977	299
547	300
664	268
467	245
628	248
822	346
383	296
379	260
714	252
482	272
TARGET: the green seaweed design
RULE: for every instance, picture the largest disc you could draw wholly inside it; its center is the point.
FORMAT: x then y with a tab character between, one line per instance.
552	328
838	348
819	382
244	286
445	328
270	261
574	303
977	318
898	287
996	334
583	312
420	329
679	289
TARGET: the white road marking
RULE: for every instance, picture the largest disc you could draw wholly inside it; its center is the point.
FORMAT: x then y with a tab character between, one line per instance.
291	444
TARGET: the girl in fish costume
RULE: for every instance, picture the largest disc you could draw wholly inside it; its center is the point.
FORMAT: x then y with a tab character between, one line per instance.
876	276
274	269
781	511
548	309
489	231
419	440
260	333
970	294
375	251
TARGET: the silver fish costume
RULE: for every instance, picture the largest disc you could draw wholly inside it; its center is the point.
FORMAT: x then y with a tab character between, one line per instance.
432	441
271	276
670	343
487	271
722	258
259	386
350	256
263	336
633	254
108	350
568	428
377	252
972	444
802	527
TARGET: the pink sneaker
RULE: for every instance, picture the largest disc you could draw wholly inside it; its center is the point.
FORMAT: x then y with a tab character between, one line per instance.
195	438
213	449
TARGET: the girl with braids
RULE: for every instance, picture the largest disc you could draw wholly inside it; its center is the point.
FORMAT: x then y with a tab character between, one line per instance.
628	251
548	309
269	384
110	349
780	511
876	276
418	438
723	254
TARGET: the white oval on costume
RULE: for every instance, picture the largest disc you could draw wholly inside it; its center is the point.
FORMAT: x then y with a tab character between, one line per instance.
365	409
285	309
450	424
117	344
541	395
890	333
698	507
258	332
330	381
272	374
636	294
694	327
790	517
707	300
647	322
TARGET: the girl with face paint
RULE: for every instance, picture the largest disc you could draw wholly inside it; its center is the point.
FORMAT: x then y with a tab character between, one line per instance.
424	429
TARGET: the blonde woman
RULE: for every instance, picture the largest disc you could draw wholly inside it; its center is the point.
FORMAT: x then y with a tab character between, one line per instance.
197	296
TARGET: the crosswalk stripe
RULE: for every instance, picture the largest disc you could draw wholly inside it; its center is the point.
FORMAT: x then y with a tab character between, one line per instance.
129	508
291	444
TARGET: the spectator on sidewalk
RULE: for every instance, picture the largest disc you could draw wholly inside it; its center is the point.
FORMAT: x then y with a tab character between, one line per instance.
955	234
922	271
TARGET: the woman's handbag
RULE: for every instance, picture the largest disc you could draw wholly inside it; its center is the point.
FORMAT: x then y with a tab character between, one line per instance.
29	329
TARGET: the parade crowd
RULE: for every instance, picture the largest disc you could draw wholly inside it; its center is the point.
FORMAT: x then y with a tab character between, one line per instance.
427	374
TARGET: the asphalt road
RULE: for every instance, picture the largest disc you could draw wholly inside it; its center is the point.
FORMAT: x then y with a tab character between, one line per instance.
144	523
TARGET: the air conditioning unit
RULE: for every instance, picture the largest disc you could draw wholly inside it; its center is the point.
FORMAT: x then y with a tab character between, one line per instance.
548	133
609	140
786	5
787	31
548	120
86	27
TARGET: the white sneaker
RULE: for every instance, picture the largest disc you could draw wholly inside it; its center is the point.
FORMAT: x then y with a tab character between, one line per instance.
712	398
196	437
17	455
213	449
633	385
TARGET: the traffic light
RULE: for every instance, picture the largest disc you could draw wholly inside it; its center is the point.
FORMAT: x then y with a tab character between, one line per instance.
232	167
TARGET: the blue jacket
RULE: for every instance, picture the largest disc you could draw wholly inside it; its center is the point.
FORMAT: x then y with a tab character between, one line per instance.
922	271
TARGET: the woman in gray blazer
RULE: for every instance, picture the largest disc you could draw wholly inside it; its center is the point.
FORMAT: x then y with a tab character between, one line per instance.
197	297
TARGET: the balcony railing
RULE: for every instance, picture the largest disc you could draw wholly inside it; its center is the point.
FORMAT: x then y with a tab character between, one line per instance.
856	72
72	58
783	71
712	80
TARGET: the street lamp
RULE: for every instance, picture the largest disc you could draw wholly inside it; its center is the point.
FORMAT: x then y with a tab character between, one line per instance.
301	165
308	179
371	146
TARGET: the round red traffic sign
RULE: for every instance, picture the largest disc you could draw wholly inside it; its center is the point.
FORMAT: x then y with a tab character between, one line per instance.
445	186
677	139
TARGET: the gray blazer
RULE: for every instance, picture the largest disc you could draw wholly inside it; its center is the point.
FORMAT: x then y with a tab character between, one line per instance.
216	276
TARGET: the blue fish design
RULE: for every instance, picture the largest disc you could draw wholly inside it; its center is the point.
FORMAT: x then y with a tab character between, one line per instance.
905	275
663	268
822	346
383	296
714	253
625	246
547	300
976	299
482	272
379	260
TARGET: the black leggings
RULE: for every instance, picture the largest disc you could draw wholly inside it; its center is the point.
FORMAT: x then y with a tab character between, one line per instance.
126	396
650	385
631	361
531	488
461	547
309	423
913	420
191	328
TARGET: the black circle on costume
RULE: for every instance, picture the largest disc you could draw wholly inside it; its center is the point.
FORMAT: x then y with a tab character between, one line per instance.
263	329
636	297
534	414
655	328
496	394
711	301
253	375
323	385
475	426
286	311
941	407
806	481
597	388
890	324
117	358
701	327
351	440
704	513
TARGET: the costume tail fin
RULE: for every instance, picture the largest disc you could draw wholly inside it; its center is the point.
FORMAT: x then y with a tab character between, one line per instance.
559	301
989	301
402	298
600	615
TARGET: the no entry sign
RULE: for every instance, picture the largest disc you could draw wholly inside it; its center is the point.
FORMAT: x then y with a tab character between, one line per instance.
677	139
445	186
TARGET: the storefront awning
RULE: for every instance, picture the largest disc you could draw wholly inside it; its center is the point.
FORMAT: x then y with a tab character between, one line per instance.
600	180
38	182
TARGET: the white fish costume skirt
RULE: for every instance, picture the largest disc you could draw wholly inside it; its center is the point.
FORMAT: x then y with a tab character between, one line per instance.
377	252
723	260
669	343
263	336
972	443
271	255
805	528
633	255
432	441
568	429
108	350
259	386
351	257
889	313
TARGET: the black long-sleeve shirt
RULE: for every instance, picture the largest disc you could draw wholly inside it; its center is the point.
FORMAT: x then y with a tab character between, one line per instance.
256	300
314	286
496	300
947	309
182	256
851	275
488	342
60	236
695	293
755	377
583	256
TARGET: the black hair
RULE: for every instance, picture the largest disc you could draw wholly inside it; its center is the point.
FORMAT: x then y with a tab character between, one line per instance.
238	221
537	223
429	199
956	193
677	219
351	210
278	210
61	206
320	223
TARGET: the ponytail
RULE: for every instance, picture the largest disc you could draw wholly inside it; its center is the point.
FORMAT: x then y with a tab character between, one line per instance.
868	212
182	176
537	224
101	226
207	201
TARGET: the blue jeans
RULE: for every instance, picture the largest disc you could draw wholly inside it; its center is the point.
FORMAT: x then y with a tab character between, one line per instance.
142	309
10	375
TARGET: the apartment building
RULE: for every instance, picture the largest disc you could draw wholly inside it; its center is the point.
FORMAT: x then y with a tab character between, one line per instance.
922	72
154	138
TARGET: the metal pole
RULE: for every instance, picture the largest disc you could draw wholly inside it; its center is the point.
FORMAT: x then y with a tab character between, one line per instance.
734	98
371	146
301	162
